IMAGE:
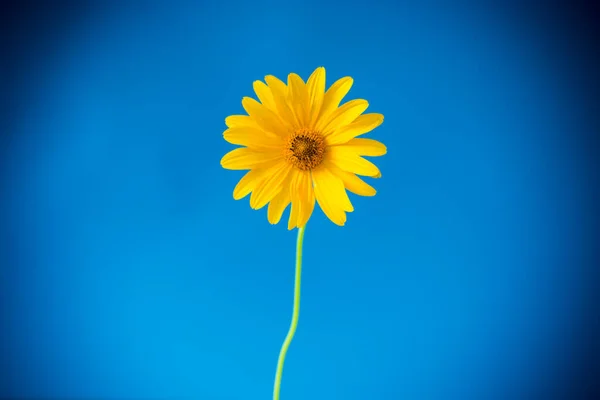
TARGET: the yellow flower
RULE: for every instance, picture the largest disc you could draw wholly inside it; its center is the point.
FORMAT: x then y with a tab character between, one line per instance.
301	145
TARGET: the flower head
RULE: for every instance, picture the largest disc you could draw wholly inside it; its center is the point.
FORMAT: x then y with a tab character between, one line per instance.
300	145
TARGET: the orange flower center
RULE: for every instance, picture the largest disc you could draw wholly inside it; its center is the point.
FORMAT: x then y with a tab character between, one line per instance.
305	149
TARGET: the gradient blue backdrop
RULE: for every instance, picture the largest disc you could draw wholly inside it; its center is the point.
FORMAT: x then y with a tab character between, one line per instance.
132	272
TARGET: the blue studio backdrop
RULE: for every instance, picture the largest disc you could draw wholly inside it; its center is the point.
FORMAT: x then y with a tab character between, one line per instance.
128	270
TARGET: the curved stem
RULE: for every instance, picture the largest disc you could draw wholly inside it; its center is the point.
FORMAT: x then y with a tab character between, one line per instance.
295	315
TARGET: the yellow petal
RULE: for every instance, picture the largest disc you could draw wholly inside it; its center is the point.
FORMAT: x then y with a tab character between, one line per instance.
378	175
316	93
348	160
308	203
294	212
280	95
353	183
245	158
295	207
299	98
344	115
265	118
361	125
235	121
264	95
267	189
332	99
331	195
277	206
302	194
276	85
366	147
247	183
252	137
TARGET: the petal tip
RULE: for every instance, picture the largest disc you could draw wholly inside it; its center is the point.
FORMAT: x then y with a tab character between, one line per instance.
257	85
246	100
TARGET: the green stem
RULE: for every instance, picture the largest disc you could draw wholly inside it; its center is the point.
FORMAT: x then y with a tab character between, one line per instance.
295	315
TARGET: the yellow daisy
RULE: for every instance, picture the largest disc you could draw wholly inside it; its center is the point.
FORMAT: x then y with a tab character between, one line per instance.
301	145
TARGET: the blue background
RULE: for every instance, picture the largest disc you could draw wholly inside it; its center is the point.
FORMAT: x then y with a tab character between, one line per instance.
128	270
